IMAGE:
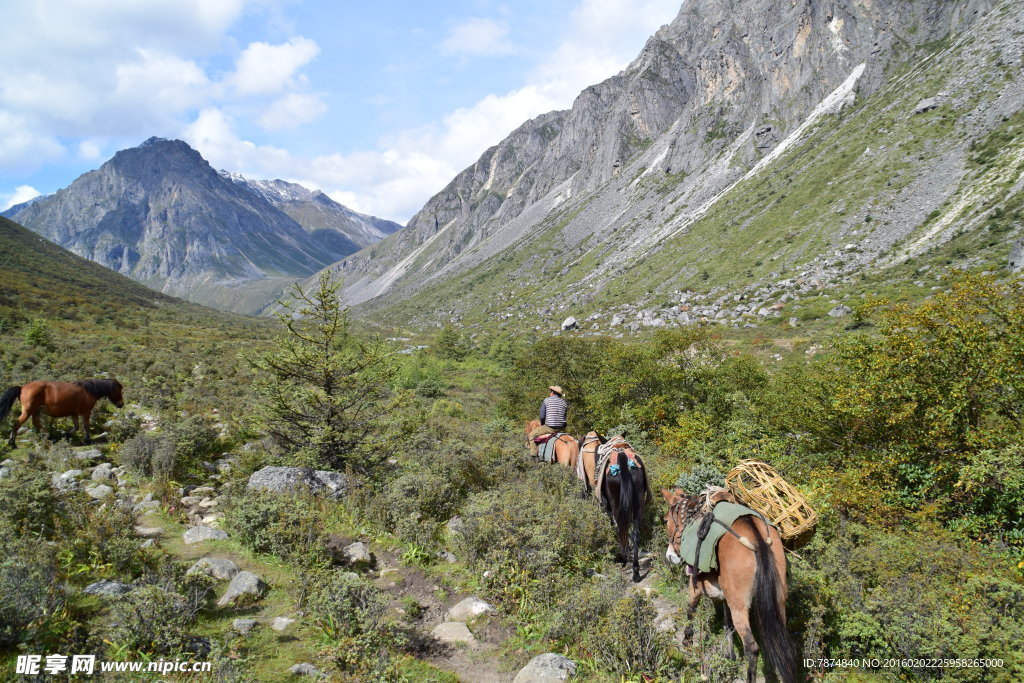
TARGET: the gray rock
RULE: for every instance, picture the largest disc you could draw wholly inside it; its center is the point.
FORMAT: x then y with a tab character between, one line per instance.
147	505
927	104
455	525
99	491
453	632
217	567
243	626
149	531
356	553
304	669
198	534
1016	263
281	623
285	479
469	609
244	586
570	323
546	667
840	311
103	472
108	588
67	480
448	557
90	454
148	543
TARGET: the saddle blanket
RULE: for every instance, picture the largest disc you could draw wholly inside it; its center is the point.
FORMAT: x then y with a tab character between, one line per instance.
546	450
727	513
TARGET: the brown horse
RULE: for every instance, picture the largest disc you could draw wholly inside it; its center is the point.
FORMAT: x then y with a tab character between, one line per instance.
749	578
566	449
59	399
586	467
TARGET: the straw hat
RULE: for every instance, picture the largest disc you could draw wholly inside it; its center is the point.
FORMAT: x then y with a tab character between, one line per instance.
558	390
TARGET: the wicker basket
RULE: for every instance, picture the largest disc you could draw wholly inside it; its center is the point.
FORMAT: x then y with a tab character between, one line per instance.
757	485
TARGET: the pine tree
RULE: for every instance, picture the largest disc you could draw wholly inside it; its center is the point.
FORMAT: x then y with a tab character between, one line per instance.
323	392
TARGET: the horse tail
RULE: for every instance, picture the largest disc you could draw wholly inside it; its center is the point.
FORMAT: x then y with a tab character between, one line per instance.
629	503
7	400
768	607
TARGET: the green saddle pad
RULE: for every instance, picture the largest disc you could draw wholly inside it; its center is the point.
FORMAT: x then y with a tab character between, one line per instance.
728	513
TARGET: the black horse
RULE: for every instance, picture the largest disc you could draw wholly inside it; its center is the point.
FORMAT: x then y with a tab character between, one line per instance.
624	490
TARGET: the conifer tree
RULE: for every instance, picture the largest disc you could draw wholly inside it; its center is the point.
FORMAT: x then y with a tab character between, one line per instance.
323	391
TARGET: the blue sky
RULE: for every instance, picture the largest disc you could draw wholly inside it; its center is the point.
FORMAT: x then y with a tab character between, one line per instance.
377	104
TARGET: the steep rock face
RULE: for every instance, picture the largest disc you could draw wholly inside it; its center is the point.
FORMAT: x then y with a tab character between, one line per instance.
723	79
161	215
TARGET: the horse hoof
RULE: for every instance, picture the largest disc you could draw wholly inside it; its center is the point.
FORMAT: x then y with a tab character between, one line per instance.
636	578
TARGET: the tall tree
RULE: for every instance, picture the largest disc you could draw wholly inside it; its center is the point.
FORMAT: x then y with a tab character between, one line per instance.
323	391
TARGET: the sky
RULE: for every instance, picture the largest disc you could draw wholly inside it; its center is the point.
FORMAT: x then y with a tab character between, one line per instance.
378	104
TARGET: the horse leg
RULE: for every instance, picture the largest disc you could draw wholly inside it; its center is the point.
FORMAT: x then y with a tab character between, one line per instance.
37	424
730	630
634	539
74	421
691	608
85	426
22	419
741	620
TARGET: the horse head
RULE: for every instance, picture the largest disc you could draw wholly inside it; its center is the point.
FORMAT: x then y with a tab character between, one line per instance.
681	509
115	394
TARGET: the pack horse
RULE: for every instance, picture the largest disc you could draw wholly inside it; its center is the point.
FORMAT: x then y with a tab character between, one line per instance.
748	571
59	399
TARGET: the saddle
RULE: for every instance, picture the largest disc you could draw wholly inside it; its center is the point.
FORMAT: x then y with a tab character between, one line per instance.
547	442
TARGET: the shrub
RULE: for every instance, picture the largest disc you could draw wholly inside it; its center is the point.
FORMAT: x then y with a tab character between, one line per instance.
344	604
193	438
99	538
149	456
289	526
626	640
530	531
31	593
30	503
151	620
123	426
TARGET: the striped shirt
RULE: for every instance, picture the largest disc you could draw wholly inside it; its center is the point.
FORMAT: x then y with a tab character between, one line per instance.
552	412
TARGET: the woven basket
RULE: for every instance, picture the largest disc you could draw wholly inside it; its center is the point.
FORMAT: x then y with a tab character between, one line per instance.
757	485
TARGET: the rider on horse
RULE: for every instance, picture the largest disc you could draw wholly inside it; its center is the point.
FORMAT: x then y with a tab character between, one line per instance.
552	416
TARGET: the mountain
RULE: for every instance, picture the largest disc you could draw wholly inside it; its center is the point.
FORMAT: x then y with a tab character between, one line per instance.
160	214
319	214
754	150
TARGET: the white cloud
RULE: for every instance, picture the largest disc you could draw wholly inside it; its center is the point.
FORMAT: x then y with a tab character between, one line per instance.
22	193
478	37
267	69
90	150
292	110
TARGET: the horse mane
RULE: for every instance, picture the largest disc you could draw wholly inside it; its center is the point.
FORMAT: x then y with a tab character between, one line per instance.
99	387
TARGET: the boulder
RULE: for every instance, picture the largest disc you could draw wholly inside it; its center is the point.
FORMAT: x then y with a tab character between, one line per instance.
90	454
217	567
107	588
570	323
453	632
103	472
304	669
840	311
243	626
546	667
99	491
281	623
285	479
1017	256
198	534
469	609
66	480
927	104
149	531
356	553
244	586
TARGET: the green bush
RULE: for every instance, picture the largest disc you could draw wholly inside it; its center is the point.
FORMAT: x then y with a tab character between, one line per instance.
626	640
30	503
151	620
534	533
289	526
149	456
194	438
345	604
99	538
31	592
